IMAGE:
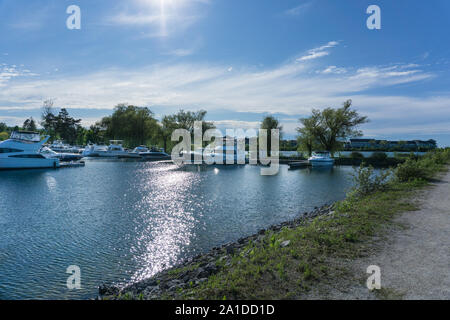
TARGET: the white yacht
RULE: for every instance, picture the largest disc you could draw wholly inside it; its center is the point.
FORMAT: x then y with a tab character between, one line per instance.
229	153
92	150
115	150
154	154
140	149
321	159
60	147
49	153
22	151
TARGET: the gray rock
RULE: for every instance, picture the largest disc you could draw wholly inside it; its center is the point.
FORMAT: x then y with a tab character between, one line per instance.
105	290
201	273
285	243
201	280
229	249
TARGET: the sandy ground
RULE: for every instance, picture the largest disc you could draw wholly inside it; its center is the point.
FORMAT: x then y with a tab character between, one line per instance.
413	255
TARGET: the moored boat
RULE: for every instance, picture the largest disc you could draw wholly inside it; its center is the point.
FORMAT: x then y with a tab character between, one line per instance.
115	150
321	159
92	150
22	151
154	154
64	157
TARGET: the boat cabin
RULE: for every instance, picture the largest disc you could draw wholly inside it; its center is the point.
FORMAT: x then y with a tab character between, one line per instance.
26	136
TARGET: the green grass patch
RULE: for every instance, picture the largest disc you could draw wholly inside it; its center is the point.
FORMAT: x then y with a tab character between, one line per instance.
268	271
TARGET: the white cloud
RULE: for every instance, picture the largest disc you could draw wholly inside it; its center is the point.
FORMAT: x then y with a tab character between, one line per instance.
318	52
290	88
8	72
296	11
333	69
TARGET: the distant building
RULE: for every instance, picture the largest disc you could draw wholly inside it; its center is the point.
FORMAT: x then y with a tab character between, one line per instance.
372	144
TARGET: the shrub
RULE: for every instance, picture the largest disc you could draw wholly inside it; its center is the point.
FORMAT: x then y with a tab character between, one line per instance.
412	169
367	181
4	136
410	155
380	156
356	155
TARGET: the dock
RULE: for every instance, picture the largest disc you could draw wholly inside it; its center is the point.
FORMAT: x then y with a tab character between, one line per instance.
71	164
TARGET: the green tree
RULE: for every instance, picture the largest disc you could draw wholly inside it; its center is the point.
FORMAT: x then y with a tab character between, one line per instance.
67	127
181	120
306	140
135	125
168	124
330	126
186	119
49	119
61	126
4	135
95	134
3	127
30	125
270	123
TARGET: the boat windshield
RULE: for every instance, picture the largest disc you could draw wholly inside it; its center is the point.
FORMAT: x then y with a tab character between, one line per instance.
26	136
321	153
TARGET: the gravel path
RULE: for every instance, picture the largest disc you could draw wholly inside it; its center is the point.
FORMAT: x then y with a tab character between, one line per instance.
414	255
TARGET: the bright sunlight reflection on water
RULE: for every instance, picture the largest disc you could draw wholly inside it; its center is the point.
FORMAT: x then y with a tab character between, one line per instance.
124	221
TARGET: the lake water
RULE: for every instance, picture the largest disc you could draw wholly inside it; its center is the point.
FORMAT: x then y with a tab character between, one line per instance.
125	221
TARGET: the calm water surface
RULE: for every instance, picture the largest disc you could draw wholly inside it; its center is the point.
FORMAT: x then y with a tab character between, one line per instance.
124	221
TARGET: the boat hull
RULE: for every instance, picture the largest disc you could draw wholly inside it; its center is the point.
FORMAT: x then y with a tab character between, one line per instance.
321	163
24	163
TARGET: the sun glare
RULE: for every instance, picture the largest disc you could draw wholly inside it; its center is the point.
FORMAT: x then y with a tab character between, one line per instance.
165	10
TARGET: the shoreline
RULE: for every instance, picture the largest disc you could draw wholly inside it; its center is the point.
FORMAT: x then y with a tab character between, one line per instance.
194	271
291	259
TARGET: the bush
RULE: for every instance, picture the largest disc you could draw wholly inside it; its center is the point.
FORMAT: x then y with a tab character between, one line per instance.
4	136
411	170
356	155
380	156
410	155
367	181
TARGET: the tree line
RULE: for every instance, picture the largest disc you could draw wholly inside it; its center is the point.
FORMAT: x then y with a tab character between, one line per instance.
322	130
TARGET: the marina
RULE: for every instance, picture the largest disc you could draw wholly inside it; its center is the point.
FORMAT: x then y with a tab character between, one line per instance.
232	151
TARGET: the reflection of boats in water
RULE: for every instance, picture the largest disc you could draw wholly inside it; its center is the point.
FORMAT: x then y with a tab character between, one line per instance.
22	151
321	159
64	157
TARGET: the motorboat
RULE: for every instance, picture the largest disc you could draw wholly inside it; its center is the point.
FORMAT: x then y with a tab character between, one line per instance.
154	154
63	157
22	151
115	150
92	150
321	159
228	154
59	147
140	149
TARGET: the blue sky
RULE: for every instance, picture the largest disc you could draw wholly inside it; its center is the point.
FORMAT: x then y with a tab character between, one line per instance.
240	60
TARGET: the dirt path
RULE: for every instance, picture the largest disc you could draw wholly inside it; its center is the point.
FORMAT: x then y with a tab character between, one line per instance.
414	255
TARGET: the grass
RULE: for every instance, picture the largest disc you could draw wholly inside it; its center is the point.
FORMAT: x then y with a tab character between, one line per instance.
267	270
177	271
389	294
